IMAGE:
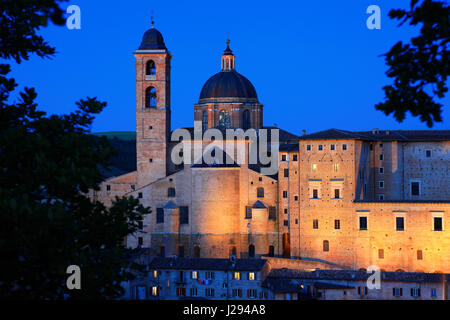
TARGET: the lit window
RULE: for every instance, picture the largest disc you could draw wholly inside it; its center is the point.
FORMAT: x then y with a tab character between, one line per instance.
154	291
336	167
251	276
194	274
237	276
314	167
155	274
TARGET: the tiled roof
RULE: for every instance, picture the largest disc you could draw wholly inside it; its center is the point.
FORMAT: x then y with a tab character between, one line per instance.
207	264
352	275
381	135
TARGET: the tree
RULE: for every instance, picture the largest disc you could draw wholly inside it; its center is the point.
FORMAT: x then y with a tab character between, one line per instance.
48	165
419	69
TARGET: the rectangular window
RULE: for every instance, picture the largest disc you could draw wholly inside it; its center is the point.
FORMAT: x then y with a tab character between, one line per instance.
344	147
415	292
251	293
184	215
260	192
194	274
294	157
415	188
209	292
286	223
237	293
437	223
381	157
295	198
283	157
381	197
419	255
248	212
315	224
362	291
236	276
286	173
315	194
285	194
320	147
140	241
181	292
397	292
251	276
108	187
337	224
159	215
332	147
400	223
314	167
308	147
381	184
380	253
433	293
193	292
337	193
381	170
154	291
272	213
336	167
428	153
362	223
140	195
209	275
285	211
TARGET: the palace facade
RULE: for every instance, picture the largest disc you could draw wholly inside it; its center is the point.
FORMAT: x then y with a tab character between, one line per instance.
352	199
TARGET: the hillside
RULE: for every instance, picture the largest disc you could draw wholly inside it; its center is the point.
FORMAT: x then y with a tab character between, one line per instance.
125	143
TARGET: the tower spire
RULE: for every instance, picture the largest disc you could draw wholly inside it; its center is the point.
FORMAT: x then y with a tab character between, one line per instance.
151	18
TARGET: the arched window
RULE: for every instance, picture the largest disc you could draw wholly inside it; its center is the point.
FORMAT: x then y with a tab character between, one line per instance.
251	251
246	120
205	120
150	68
326	246
196	251
232	251
150	97
171	192
224	119
271	251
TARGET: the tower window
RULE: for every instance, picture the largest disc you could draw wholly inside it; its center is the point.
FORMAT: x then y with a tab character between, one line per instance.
248	212
344	147
337	224
286	173
320	147
315	224
308	147
415	188
150	97
337	193
150	68
332	147
294	157
171	192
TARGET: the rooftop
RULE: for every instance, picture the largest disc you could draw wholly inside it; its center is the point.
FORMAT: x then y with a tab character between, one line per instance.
207	264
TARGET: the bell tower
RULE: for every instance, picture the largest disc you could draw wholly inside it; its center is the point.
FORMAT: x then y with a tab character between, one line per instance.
152	107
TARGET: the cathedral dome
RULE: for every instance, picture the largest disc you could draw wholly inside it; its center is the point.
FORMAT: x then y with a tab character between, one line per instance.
152	40
228	85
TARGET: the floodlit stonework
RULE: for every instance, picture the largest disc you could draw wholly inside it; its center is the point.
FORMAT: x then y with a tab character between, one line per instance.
352	199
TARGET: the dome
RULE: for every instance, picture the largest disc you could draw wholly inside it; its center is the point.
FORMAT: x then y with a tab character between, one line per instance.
152	40
228	86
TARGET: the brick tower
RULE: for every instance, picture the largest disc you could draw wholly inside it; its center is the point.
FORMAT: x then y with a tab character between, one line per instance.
152	107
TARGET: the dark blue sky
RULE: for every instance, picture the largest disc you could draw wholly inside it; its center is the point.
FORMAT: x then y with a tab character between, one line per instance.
314	64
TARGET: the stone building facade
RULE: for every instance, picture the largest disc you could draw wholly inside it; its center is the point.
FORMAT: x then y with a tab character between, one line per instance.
350	198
